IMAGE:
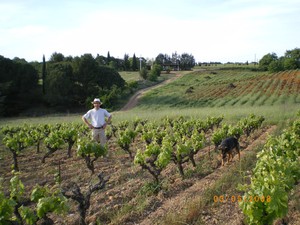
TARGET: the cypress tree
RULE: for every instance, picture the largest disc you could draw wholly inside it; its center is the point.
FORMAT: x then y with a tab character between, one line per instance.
108	58
126	62
134	63
44	73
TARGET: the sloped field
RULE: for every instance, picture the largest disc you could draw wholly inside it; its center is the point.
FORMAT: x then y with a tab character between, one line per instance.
220	88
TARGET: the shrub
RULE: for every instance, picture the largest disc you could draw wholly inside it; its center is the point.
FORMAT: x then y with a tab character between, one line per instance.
144	73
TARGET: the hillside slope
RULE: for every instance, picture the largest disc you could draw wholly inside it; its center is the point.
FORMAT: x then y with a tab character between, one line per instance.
227	88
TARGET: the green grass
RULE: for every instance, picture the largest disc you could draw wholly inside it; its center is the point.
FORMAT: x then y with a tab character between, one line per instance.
130	76
51	119
273	114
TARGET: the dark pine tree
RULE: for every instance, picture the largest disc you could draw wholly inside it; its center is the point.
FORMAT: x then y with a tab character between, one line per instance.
108	58
126	62
44	73
134	63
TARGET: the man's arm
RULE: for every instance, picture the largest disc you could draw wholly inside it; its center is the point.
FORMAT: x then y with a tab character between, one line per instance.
86	122
107	121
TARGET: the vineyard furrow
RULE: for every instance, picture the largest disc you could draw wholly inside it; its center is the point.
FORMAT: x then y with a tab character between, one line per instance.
197	189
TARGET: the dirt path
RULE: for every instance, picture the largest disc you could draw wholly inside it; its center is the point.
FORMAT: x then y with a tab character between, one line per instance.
134	99
176	204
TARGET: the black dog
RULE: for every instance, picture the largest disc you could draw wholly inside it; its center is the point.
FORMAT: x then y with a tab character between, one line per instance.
227	146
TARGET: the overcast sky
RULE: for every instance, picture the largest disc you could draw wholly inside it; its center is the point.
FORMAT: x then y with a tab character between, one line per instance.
210	30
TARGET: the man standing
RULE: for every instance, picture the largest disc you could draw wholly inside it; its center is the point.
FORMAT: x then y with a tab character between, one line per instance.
95	119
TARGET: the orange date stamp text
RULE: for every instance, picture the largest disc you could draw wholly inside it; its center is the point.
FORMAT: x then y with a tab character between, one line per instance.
239	198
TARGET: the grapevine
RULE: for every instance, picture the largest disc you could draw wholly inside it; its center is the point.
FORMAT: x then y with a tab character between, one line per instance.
16	142
18	209
275	174
53	143
90	151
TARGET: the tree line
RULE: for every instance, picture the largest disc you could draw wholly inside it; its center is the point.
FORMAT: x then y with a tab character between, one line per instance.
18	85
272	63
66	82
61	82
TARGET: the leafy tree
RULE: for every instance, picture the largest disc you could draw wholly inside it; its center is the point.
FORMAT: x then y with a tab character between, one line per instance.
113	65
118	64
27	78
175	58
290	64
85	74
59	84
57	57
266	60
160	59
292	59
187	62
275	66
295	55
101	60
68	58
18	60
18	81
107	77
75	82
184	62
